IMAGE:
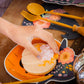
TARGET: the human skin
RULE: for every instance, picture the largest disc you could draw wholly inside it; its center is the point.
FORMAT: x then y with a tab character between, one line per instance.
23	35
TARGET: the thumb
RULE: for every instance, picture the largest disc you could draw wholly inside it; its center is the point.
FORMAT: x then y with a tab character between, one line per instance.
32	49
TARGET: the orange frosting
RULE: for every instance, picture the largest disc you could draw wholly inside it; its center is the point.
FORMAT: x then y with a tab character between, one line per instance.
37	46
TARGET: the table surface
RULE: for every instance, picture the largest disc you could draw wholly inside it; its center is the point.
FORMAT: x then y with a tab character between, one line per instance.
13	15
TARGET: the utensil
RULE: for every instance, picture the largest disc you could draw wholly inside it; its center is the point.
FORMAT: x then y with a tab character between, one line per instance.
31	80
31	17
37	9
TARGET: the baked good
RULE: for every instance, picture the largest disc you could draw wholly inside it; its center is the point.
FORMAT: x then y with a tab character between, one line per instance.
39	65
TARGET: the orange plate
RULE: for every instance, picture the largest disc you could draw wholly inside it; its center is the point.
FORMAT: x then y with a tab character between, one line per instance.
13	66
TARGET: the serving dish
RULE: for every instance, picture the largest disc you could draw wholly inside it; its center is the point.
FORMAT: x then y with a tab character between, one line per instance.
14	67
65	2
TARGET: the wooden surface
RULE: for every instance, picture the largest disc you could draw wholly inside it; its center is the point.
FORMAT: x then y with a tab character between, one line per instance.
12	14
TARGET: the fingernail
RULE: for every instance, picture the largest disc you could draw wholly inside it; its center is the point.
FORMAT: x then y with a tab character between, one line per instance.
39	57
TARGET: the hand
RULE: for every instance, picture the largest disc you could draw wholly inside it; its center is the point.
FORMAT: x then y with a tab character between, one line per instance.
23	35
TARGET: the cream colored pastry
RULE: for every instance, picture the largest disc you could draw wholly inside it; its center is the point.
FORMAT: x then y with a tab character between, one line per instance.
36	66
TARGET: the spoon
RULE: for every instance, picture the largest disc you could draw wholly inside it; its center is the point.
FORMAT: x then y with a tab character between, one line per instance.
31	17
37	9
31	80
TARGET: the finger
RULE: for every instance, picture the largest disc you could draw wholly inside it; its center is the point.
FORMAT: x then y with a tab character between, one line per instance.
48	37
51	41
53	44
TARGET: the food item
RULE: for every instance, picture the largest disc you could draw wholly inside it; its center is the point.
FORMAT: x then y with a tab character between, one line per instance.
39	65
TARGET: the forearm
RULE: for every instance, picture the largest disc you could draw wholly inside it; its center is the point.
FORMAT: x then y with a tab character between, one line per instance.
9	29
4	26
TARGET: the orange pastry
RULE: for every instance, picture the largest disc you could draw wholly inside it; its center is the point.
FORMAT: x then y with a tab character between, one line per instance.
39	65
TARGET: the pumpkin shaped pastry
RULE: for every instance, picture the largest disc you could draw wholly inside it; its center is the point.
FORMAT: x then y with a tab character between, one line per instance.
39	65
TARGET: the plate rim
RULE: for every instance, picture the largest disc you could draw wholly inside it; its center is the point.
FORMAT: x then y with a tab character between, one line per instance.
5	66
78	5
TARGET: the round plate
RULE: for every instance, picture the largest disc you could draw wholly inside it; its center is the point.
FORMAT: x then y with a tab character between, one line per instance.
70	2
14	68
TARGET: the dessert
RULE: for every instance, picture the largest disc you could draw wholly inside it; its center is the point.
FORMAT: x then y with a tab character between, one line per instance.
39	65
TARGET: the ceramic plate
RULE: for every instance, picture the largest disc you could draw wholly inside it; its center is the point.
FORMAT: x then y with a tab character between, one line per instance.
13	66
63	2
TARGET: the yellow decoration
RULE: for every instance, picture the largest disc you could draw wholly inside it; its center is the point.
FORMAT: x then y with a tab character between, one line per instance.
70	68
47	61
70	65
63	71
56	56
66	67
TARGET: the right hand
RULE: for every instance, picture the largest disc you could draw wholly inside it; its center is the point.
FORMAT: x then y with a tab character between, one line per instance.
23	35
